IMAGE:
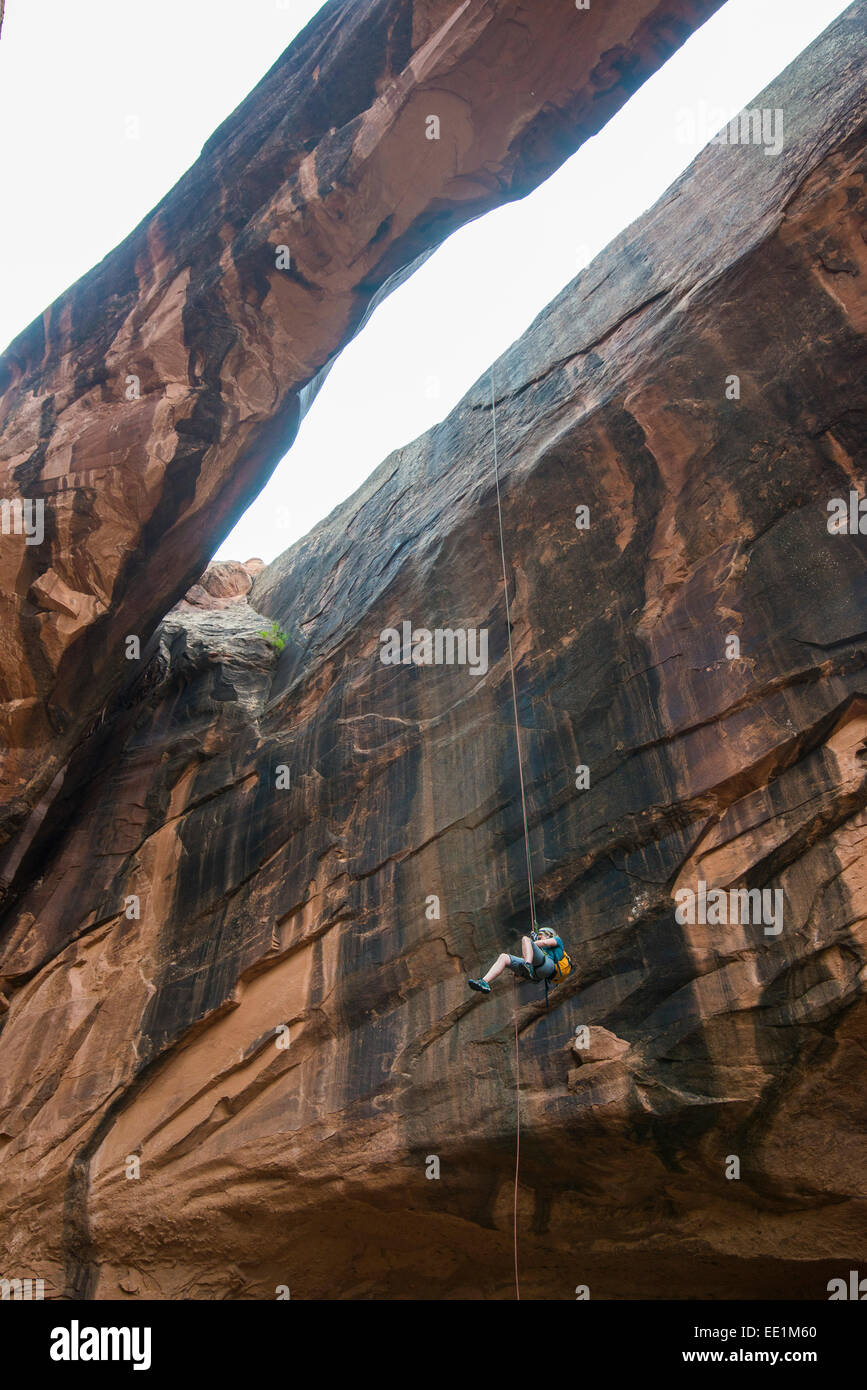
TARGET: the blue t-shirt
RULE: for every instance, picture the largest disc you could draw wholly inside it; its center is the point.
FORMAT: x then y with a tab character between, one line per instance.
553	953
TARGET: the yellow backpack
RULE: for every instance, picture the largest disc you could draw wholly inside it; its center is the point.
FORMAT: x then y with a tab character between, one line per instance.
563	966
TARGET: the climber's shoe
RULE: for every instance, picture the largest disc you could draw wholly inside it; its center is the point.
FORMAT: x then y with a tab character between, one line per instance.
526	971
481	985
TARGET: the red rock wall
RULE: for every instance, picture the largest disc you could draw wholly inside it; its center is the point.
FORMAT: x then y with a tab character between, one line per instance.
147	406
302	914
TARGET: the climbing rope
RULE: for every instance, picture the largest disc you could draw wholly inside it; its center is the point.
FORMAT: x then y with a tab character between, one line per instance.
517	1145
530	884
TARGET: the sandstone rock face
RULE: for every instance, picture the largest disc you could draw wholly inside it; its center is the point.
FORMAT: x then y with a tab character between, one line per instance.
144	409
223	583
239	946
600	1046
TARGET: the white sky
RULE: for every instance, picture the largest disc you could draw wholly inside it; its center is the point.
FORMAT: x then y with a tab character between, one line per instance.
76	76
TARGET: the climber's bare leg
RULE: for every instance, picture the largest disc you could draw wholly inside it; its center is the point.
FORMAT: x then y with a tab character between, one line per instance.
527	949
497	968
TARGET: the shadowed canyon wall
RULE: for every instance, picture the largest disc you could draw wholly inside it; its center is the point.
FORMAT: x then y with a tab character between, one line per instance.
146	407
239	949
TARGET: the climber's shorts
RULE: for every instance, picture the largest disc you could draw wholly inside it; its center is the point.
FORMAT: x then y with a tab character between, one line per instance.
542	964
